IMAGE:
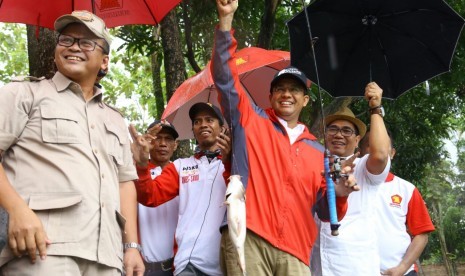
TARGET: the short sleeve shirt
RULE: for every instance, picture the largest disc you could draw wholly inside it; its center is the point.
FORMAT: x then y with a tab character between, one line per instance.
66	158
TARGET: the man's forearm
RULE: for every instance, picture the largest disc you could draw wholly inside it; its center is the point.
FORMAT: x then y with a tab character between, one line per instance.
9	198
225	23
414	250
226	9
128	200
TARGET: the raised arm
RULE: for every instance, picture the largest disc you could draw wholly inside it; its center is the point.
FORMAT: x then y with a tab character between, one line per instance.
152	192
226	9
379	139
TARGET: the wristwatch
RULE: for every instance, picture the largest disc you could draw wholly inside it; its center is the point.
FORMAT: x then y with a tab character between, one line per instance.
132	245
377	110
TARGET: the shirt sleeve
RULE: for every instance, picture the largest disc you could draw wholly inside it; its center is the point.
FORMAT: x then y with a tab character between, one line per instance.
418	219
127	172
364	177
15	104
161	189
227	172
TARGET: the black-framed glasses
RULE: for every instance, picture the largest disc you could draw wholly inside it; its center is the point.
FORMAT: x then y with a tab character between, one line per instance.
293	89
345	131
85	44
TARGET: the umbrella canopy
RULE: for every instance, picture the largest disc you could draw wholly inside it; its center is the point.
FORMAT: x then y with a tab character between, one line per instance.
398	43
256	68
43	13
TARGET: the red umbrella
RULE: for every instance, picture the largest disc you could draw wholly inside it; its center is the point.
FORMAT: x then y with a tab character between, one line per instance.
43	13
256	68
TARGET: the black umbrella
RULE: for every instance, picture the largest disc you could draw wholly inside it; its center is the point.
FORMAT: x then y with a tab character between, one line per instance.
397	43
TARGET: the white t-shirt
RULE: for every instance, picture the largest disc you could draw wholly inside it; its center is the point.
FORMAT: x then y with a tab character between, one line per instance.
355	250
400	206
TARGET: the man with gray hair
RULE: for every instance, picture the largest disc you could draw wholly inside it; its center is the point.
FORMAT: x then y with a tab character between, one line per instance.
66	179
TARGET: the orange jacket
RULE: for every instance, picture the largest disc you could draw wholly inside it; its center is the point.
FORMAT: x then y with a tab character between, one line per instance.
284	186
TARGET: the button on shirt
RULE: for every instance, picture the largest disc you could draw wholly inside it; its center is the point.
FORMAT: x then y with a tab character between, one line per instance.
66	158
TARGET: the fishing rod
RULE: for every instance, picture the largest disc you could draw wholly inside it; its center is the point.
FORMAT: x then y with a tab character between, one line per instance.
335	163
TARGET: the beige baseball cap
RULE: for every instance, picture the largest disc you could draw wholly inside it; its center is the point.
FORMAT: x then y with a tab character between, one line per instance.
93	22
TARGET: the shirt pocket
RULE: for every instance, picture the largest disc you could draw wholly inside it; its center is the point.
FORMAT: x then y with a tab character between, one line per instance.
59	126
116	140
59	213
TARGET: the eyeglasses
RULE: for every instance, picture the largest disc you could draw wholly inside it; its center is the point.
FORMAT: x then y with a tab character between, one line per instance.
84	44
345	131
292	89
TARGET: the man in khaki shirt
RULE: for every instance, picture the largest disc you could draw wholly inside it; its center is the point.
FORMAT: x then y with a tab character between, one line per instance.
66	178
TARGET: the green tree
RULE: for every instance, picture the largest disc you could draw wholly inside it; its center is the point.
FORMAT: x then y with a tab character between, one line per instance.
13	51
439	195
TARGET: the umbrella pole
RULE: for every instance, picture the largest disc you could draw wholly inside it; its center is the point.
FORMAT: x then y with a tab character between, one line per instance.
330	190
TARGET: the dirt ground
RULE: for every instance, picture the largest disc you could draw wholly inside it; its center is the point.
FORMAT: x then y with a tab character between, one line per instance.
439	270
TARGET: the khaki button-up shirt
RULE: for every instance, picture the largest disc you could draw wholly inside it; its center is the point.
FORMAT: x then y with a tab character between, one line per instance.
66	158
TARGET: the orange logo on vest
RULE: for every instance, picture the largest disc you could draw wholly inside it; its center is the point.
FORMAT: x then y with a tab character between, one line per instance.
396	200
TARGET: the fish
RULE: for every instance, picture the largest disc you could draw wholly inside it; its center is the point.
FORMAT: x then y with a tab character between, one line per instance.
235	205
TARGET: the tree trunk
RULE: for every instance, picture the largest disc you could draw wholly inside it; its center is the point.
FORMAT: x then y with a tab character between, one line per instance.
188	36
41	49
157	87
175	68
448	263
267	24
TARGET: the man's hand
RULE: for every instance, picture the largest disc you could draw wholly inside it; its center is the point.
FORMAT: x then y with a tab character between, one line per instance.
226	9
347	185
133	264
373	94
395	271
224	143
141	144
26	234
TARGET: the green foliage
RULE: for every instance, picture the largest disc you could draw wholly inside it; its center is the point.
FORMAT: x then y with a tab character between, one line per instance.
284	13
13	51
454	230
441	192
128	86
142	39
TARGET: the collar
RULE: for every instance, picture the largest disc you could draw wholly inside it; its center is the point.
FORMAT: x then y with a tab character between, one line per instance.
299	128
198	153
275	119
62	83
390	177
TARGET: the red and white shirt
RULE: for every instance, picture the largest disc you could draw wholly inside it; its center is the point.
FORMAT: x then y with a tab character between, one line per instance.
201	187
157	226
401	213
